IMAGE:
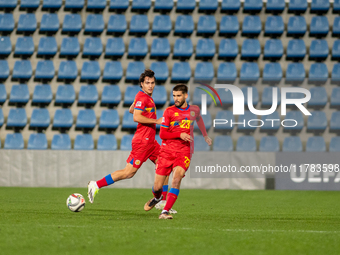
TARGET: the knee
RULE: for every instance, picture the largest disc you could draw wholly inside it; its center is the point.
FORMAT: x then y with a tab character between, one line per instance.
157	187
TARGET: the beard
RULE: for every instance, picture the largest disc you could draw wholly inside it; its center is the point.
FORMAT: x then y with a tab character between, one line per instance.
179	104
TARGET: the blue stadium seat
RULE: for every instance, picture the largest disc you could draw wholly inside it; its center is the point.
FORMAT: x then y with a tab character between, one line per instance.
24	46
159	114
335	97
29	4
65	95
246	143
197	97
271	122
206	24
317	122
207	5
297	6
113	71
161	25
61	142
67	70
160	48
200	144
5	46
223	143
319	26
267	97
244	119
319	6
297	25
318	50
8	4
250	72
184	24
183	48
255	95
47	47
141	5
274	26
272	72
40	118
181	72
44	70
19	94
336	50
42	94
22	70
163	5
109	119
139	24
204	72
107	143
27	23
117	24
230	5
49	23
52	4
336	73
161	71
251	25
269	144
334	125
133	71
2	119
93	47
119	5
37	142
3	93
334	145
158	139
276	6
318	97
63	119
17	118
336	25
318	72
273	49
336	6
14	142
205	48
90	71
185	5
229	25
86	119
84	142
159	95
228	49
224	115
128	122
297	116
74	4
94	23
70	47
295	72
111	95
138	47
316	143
251	49
226	72
252	6
292	144
114	47
6	22
126	143
96	4
296	49
88	95
72	23
130	94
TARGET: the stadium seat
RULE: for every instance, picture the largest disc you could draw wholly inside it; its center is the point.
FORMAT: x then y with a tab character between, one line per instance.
224	115
275	6
317	122
14	142
159	114
61	142
230	5
94	23
70	47
125	144
44	70
336	6
206	24
269	144
37	142
84	142
161	25
74	4
139	24
295	72
114	47
200	144
274	26
133	71
319	26
273	49
107	143
255	95
296	49
161	71
336	73
63	119
2	119
253	6
118	5
163	5
29	4
19	94
292	144
141	5
67	70
183	48
294	126
51	4
336	50
229	25
3	94
22	70
226	72
17	118
319	6
334	145
160	48
40	118
24	46
297	6
244	119
270	125
267	97
93	47
138	48
318	50
8	4
272	72
335	97
128	122
207	6
113	71
96	4
249	72
159	95
334	125
181	72
251	49
117	24
184	24
86	119
204	72
88	95
109	119
336	25
246	143
27	23
228	49
72	23
130	94
197	97
65	95
42	94
318	97
318	72
185	5
251	25
6	22
111	95
90	71
297	25
205	48
47	47
316	143
223	143
5	46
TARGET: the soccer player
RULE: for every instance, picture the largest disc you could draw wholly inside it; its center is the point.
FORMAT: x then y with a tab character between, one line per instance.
177	147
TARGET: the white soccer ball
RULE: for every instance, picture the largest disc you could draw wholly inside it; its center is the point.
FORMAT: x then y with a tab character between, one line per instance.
75	202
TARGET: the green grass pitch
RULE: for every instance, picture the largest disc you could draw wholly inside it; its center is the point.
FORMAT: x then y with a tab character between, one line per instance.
37	221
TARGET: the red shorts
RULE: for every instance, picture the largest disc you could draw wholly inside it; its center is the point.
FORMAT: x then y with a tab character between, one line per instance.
141	152
169	160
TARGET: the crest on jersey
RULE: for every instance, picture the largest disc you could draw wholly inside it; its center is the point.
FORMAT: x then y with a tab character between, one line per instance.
139	103
192	114
137	162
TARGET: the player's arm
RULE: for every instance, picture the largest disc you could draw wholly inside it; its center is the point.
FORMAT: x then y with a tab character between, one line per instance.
165	134
201	126
138	117
131	109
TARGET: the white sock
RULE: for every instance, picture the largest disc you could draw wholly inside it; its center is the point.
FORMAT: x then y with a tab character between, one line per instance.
164	211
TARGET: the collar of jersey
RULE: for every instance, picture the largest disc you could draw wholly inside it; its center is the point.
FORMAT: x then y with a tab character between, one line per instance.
183	109
145	93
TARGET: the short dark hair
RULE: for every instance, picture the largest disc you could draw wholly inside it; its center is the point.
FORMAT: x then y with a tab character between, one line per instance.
181	87
147	73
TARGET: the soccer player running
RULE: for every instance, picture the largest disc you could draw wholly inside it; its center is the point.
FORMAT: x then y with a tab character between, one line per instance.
177	147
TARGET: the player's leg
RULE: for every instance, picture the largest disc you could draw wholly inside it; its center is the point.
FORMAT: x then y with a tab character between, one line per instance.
157	190
162	203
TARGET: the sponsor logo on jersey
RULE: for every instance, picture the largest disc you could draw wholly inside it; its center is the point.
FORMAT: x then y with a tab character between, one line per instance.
176	114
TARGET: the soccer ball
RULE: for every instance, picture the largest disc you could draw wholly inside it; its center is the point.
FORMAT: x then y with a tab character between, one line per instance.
75	202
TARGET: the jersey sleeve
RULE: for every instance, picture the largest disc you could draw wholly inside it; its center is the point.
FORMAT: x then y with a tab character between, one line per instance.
139	103
166	119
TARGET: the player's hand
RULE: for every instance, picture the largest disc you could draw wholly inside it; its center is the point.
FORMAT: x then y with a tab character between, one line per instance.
208	140
186	137
159	121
